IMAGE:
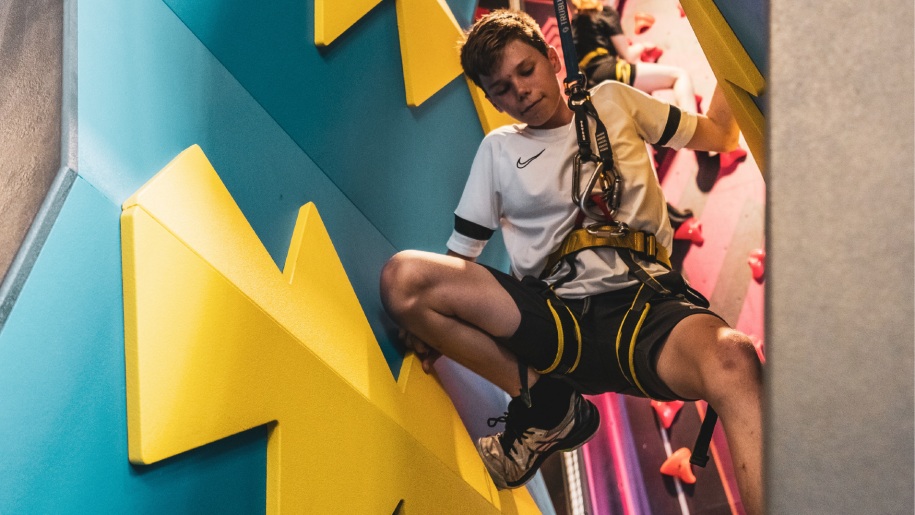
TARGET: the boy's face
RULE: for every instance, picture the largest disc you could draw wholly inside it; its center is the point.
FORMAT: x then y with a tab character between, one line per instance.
524	85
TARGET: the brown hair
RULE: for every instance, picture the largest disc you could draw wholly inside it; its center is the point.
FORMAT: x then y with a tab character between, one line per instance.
483	43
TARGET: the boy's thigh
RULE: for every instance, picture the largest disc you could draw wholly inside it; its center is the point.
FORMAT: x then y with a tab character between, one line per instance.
689	350
614	363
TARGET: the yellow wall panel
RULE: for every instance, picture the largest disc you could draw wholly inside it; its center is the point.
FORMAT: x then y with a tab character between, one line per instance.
429	36
218	340
333	17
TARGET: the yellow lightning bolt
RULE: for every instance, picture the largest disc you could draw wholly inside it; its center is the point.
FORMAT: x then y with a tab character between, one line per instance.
218	340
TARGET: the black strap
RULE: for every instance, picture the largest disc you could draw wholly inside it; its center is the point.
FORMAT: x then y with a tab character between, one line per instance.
704	440
673	121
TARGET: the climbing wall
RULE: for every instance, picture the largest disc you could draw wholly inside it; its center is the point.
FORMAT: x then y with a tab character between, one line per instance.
234	167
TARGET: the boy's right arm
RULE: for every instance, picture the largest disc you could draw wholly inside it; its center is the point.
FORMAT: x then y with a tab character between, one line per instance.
717	130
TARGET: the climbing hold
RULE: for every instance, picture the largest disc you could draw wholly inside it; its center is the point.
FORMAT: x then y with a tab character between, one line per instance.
643	22
667	411
757	262
677	465
699	104
651	54
682	12
760	346
730	160
690	230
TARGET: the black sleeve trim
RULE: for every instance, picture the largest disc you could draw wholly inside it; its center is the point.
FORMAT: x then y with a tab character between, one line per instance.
472	230
673	121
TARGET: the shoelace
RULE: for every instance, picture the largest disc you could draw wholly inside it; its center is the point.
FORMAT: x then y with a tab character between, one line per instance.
495	420
511	434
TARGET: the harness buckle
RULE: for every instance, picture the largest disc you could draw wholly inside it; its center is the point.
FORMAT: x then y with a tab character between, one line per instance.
613	229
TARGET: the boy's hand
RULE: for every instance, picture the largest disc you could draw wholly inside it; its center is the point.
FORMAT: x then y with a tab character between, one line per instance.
426	354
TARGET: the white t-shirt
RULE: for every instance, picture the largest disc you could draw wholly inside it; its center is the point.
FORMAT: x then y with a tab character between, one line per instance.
521	182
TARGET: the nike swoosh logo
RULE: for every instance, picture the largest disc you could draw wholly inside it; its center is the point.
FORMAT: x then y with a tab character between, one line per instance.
522	164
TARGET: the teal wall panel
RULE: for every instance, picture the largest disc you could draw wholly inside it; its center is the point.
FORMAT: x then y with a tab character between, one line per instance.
463	11
345	106
63	425
749	19
148	89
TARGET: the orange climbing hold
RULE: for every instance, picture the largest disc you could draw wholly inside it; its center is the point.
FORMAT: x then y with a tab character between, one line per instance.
667	411
677	465
643	22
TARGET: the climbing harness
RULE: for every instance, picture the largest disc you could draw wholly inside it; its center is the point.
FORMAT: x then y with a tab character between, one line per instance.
600	200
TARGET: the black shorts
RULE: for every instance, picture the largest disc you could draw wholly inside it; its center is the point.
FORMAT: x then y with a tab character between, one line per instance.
610	67
550	328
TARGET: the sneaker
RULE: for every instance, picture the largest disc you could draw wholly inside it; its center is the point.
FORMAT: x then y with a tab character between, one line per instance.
513	456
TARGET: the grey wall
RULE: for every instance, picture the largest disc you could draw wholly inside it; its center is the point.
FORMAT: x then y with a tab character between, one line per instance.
30	114
840	272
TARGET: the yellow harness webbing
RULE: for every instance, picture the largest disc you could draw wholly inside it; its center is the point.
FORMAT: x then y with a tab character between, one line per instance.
590	56
643	243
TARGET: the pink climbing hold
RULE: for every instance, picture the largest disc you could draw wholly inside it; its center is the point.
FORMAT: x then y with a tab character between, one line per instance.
760	347
643	22
757	262
690	230
667	411
677	465
651	54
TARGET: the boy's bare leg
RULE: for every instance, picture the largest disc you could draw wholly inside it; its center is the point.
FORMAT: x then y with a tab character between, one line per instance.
457	308
729	377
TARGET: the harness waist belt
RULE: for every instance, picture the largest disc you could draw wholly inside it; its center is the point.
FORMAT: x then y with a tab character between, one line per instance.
643	243
592	55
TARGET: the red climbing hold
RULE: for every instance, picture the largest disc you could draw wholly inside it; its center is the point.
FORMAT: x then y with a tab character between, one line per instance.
643	22
730	160
682	12
677	465
690	230
757	262
667	411
651	54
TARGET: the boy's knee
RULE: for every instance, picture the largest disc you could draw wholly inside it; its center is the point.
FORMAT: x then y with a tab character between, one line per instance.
401	280
736	363
735	352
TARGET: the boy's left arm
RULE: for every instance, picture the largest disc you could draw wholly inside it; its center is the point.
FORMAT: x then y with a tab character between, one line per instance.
717	130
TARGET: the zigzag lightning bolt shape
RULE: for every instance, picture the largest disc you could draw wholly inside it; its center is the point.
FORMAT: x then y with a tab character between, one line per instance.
333	17
218	340
428	34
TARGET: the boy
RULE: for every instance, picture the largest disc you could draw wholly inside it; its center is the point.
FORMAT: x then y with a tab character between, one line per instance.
563	333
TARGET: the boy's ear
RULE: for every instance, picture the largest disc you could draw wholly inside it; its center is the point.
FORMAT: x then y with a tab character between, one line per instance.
553	56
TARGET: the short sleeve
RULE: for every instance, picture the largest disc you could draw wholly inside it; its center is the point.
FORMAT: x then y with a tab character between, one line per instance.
477	215
657	122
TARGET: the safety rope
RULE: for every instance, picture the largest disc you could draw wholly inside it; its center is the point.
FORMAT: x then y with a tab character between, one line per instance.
603	203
